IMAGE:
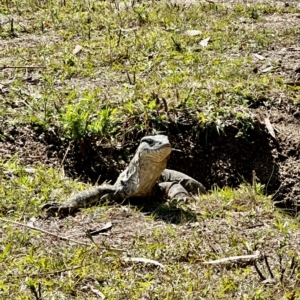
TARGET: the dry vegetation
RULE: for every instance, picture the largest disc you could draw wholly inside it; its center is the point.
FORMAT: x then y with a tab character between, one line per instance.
81	82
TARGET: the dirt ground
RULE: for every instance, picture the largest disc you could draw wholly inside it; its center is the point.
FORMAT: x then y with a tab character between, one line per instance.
211	158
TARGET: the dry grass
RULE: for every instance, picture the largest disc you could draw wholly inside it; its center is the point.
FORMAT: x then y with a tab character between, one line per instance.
139	71
223	224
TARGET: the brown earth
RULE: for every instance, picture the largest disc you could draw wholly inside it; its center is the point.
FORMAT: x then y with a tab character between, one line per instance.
214	159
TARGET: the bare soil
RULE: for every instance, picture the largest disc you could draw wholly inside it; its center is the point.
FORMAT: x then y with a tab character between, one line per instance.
213	159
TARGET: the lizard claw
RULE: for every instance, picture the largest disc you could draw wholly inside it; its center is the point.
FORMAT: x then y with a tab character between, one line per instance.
50	205
51	208
54	208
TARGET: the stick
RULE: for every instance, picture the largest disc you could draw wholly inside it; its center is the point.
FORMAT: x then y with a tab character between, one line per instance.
262	277
44	231
144	260
268	266
61	237
65	155
22	67
56	272
49	273
233	258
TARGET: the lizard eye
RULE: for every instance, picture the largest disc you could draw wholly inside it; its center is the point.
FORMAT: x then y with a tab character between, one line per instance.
150	142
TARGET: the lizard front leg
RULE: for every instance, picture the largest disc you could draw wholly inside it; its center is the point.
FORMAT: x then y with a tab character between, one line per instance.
188	183
83	199
173	190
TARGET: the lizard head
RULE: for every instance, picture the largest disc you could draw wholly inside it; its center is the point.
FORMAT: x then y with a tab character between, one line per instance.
156	148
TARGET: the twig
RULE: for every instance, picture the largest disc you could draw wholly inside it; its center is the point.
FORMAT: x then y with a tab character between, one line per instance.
37	293
268	266
282	270
145	261
276	192
93	231
131	81
22	67
165	105
97	181
293	295
96	292
119	38
24	208
62	237
282	275
294	264
233	258
47	273
254	180
296	83
262	277
58	271
46	232
266	189
65	155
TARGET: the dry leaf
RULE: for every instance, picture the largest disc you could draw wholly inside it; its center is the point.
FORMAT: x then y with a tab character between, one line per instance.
270	127
107	226
77	49
204	42
192	32
258	56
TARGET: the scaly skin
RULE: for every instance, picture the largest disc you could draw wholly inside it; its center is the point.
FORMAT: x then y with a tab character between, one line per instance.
146	170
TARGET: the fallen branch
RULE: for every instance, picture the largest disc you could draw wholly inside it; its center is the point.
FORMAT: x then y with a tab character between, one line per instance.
233	258
46	232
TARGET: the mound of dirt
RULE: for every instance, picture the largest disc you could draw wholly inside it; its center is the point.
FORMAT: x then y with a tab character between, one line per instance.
213	159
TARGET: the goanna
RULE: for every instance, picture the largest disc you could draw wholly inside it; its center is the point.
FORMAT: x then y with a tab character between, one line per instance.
146	175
